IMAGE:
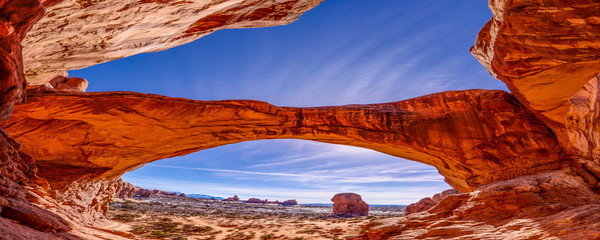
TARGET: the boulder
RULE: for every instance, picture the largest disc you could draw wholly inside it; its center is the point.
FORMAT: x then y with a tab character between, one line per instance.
349	204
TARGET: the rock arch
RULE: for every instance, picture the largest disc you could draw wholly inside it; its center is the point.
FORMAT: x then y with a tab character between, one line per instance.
473	137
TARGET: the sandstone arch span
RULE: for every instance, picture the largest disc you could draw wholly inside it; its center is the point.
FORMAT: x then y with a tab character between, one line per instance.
472	137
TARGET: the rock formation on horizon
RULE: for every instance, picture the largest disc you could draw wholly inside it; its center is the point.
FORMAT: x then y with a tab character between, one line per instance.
349	204
235	198
527	163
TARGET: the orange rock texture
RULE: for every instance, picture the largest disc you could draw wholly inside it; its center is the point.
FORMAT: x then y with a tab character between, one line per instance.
545	51
349	204
18	17
80	33
428	202
554	205
527	162
473	137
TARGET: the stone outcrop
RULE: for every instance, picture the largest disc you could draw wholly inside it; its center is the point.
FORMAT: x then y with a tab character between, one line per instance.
527	162
428	202
349	204
555	205
127	191
545	51
470	136
235	198
18	16
80	33
289	202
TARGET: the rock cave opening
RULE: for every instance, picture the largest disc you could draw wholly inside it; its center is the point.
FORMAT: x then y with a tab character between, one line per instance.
310	172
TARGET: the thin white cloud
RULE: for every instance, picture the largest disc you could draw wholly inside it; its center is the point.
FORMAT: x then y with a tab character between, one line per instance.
313	177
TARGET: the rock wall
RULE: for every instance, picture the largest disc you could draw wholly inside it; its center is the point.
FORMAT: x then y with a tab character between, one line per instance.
18	16
528	160
76	34
428	202
554	205
545	51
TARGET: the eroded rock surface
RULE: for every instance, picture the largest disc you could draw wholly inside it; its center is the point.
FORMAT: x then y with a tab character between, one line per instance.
473	137
555	205
545	51
349	204
428	202
75	33
530	178
18	16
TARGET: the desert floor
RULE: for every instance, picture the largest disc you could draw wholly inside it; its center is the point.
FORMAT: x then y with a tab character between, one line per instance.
189	218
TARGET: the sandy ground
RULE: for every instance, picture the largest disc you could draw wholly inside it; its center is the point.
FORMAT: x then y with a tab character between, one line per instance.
166	219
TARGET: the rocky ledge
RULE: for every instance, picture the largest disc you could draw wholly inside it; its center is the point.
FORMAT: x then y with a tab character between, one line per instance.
527	163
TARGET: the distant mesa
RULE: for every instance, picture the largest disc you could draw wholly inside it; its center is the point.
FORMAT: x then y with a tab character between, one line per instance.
290	202
235	198
128	190
349	204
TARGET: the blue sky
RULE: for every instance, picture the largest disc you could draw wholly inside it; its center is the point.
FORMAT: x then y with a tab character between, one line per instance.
341	52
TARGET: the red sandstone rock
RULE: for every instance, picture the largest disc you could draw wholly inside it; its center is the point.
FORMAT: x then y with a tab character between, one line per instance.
127	191
142	192
349	204
256	200
235	198
68	83
290	202
18	17
470	136
545	51
34	217
427	203
75	34
556	205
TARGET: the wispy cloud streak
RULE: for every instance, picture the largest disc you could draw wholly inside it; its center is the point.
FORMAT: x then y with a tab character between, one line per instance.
312	177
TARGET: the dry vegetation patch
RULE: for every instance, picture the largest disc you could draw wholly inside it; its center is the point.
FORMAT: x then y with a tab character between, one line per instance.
204	219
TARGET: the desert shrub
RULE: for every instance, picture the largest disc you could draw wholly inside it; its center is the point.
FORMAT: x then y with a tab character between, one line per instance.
125	217
165	225
189	228
159	234
267	236
139	229
240	236
307	231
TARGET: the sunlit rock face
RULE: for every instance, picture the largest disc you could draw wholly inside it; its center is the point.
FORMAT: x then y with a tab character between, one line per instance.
528	162
349	204
545	51
18	16
473	137
80	33
554	205
428	202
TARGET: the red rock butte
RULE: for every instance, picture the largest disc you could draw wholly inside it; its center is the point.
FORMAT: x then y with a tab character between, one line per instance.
349	204
526	163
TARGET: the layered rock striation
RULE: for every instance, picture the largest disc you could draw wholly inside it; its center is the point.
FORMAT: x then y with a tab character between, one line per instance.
80	33
473	137
428	202
349	204
553	205
527	162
